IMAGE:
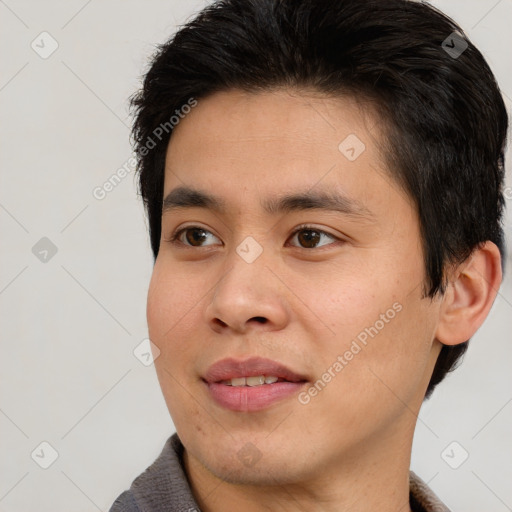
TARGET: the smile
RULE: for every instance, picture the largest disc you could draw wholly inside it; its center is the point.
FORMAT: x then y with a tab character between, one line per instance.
252	384
251	381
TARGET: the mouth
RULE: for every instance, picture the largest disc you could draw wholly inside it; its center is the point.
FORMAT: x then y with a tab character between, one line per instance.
251	385
258	380
255	371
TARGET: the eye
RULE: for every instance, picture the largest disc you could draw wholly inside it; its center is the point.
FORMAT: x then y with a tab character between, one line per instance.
310	236
193	234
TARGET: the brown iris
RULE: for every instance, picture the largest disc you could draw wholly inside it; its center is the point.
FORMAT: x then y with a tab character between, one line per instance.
308	236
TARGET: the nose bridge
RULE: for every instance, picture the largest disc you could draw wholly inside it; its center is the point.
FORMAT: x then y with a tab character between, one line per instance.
247	290
247	276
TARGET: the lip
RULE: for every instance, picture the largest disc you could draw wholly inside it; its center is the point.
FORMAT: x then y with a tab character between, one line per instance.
230	368
248	398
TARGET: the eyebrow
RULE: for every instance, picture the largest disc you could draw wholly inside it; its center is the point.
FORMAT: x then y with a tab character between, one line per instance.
186	197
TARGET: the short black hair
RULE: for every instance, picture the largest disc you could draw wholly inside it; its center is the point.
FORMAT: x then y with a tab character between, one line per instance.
444	117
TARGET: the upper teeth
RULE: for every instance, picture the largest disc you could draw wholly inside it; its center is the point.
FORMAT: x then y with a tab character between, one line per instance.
251	381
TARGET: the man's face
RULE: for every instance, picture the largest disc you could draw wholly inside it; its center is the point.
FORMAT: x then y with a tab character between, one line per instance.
338	303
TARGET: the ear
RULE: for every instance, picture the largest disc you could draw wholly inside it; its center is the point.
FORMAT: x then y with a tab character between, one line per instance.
469	295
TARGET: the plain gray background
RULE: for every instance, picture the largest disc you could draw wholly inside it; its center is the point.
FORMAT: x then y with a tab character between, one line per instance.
71	319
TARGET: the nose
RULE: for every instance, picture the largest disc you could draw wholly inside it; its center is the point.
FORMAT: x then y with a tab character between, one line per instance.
247	297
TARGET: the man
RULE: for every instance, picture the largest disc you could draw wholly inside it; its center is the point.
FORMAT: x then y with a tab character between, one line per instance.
323	182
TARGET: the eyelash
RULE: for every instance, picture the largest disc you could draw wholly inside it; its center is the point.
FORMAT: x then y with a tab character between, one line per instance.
303	227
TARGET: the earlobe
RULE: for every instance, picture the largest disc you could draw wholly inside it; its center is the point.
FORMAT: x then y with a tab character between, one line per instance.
470	295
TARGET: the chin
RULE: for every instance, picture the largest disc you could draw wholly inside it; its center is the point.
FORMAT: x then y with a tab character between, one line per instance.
243	463
263	473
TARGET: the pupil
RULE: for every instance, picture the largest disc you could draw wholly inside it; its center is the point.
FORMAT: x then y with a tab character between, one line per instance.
192	238
309	238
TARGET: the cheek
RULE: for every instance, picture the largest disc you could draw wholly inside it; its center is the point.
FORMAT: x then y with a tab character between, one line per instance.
347	299
171	300
385	364
380	326
171	318
173	305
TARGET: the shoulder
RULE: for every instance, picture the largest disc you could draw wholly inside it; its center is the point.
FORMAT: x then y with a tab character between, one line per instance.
163	486
422	498
125	503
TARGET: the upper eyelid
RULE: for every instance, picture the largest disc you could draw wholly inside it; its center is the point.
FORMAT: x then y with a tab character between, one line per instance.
313	228
179	231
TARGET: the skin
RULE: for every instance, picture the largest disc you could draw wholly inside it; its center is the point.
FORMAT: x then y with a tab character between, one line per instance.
349	447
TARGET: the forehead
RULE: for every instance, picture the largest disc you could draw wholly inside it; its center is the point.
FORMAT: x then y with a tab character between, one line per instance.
284	140
308	116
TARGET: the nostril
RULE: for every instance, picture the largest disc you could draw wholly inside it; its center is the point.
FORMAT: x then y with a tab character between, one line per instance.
260	319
